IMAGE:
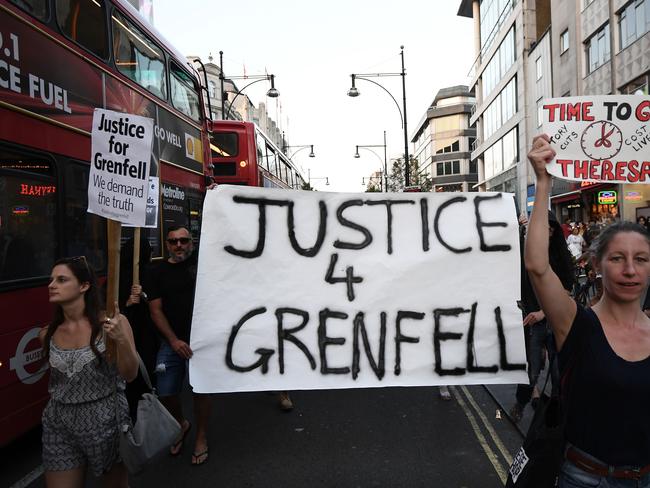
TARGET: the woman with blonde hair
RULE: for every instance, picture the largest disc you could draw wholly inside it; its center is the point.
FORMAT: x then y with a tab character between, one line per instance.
605	349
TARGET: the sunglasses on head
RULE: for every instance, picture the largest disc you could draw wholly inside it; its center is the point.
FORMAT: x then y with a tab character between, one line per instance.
179	240
80	258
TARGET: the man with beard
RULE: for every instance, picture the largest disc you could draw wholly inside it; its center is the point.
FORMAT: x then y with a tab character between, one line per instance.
171	298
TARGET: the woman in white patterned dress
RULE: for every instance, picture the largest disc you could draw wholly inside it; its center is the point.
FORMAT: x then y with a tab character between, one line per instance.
87	402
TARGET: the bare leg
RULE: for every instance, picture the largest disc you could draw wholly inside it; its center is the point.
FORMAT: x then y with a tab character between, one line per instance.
117	477
285	401
173	404
202	405
71	478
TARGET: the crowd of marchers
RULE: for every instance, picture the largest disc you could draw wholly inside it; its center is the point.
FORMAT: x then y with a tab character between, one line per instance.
584	310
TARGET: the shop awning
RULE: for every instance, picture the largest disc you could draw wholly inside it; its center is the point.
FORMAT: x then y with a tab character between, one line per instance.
566	197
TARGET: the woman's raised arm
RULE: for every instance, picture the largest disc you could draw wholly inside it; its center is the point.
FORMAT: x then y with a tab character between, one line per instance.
557	305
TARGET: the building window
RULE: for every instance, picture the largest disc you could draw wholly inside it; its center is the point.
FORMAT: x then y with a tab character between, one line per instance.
538	68
636	87
564	41
597	48
212	89
501	155
501	109
500	63
473	167
540	113
448	168
493	14
447	146
634	21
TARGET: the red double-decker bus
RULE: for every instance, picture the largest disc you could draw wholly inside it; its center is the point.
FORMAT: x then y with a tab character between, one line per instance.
59	60
242	154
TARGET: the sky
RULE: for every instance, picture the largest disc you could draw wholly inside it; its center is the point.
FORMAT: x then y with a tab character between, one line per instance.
312	48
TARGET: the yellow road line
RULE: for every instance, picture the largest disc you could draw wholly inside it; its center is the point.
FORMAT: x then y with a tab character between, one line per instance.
495	437
494	459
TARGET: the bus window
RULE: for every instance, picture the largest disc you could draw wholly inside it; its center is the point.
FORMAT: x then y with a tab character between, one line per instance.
27	216
184	95
225	144
35	8
84	22
137	57
261	159
85	233
271	161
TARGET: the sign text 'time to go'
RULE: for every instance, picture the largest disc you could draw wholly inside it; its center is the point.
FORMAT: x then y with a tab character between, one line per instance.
600	138
310	290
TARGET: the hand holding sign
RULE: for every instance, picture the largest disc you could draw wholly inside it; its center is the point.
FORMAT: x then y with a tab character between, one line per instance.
540	155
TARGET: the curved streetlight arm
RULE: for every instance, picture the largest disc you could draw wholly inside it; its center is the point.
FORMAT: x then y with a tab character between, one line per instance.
370	150
205	88
269	77
311	153
380	86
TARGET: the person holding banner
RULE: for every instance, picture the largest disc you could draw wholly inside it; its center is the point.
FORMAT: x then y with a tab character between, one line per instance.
605	349
171	299
80	428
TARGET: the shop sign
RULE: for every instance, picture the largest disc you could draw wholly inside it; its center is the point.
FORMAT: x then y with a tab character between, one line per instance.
633	196
574	205
607	197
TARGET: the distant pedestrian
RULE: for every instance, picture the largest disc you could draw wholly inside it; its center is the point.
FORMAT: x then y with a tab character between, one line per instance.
80	421
576	243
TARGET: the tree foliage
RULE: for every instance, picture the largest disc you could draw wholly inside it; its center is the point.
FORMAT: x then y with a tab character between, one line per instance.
417	176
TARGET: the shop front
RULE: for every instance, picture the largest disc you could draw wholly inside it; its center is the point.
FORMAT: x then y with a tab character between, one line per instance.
583	202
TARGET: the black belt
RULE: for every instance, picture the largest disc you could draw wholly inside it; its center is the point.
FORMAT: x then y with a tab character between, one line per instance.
594	467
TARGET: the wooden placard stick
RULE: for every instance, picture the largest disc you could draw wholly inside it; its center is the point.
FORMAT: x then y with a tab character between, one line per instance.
114	229
136	256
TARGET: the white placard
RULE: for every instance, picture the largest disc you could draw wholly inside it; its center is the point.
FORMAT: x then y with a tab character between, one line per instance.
311	290
119	166
601	138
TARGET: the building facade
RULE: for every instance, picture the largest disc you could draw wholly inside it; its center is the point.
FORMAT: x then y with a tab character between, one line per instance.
443	138
553	48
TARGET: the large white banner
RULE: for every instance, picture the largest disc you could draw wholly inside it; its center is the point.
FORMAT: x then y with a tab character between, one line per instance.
119	167
311	290
601	138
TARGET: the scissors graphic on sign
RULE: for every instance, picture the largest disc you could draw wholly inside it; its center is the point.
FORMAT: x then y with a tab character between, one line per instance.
604	139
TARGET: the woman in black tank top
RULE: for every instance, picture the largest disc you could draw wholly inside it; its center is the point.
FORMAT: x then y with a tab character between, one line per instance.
607	348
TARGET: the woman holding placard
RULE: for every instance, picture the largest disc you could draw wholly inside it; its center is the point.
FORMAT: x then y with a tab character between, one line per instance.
604	351
87	402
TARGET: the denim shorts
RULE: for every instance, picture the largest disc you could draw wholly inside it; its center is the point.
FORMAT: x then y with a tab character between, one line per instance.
571	476
171	370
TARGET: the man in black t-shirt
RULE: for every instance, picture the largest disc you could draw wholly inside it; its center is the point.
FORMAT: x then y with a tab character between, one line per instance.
171	299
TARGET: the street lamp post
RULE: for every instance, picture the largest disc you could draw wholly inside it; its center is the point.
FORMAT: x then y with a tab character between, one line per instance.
301	147
367	146
272	93
310	177
354	92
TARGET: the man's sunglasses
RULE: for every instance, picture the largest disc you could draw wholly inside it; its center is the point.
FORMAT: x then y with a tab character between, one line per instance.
179	240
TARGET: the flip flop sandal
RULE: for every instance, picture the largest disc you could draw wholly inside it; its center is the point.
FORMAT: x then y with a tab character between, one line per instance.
199	458
178	445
